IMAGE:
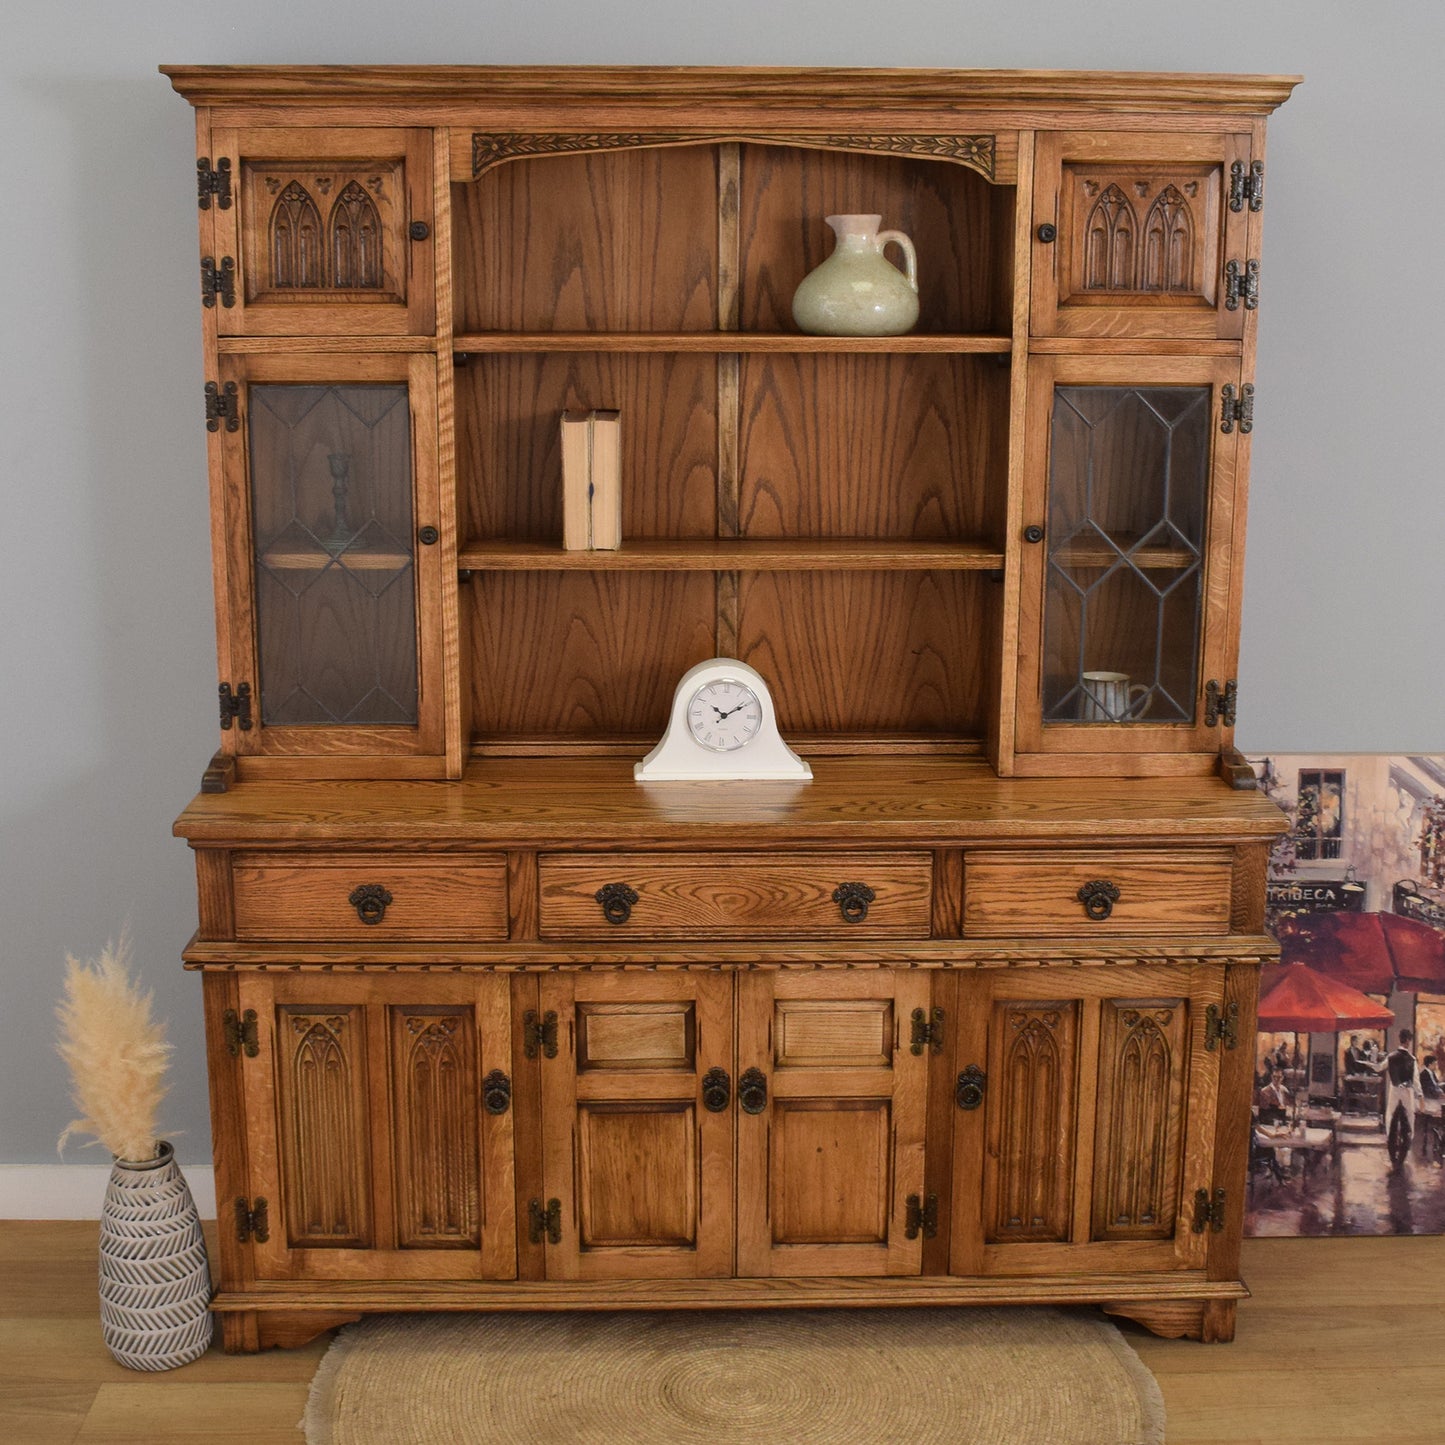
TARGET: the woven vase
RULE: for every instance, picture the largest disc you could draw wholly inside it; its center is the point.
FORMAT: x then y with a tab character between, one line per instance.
155	1284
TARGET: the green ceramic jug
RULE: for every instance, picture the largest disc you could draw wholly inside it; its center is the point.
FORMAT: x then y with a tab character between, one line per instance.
857	291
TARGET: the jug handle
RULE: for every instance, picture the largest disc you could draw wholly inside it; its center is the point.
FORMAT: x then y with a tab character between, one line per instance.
910	256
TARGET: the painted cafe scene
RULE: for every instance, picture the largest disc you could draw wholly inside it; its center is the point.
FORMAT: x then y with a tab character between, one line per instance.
1348	1128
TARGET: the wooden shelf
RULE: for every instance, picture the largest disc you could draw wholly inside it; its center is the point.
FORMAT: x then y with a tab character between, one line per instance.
724	341
705	555
1098	554
295	559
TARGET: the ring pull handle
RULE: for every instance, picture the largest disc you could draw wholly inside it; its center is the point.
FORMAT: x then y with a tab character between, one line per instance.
370	900
753	1092
853	900
496	1092
717	1090
968	1092
1098	897
616	900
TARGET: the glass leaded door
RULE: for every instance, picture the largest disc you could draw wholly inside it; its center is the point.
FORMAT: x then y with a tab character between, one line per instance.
1130	479
331	480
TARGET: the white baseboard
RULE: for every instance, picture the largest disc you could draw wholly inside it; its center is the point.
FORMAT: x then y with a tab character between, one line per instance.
75	1191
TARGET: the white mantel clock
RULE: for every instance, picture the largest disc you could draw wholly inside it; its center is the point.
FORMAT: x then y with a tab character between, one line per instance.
722	726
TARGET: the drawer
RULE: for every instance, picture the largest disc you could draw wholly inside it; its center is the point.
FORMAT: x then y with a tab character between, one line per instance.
1043	893
715	895
370	896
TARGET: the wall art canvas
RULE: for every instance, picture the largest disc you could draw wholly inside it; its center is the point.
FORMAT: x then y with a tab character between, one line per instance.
1348	1131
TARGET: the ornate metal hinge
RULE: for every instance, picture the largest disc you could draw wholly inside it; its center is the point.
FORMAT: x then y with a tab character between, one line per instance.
1241	284
927	1031
1220	703
222	405
241	1033
235	706
1208	1213
1236	408
218	281
921	1217
496	1092
252	1221
539	1033
1221	1026
1246	186
213	181
546	1221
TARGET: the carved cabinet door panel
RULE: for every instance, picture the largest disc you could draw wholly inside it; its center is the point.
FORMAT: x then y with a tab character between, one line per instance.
1083	1119
1144	235
329	542
379	1126
832	1083
637	1126
327	231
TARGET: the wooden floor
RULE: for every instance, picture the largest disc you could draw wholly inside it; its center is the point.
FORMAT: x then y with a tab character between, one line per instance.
1344	1341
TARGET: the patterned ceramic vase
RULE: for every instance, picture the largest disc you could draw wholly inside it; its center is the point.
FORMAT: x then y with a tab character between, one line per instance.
155	1284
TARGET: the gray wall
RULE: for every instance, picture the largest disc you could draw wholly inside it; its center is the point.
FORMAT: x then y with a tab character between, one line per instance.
106	710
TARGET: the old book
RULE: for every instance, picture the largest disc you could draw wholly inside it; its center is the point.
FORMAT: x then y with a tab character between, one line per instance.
576	480
606	480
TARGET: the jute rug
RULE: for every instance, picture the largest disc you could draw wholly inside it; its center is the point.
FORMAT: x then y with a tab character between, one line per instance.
784	1377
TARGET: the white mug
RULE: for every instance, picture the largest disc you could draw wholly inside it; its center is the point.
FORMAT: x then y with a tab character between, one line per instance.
1110	697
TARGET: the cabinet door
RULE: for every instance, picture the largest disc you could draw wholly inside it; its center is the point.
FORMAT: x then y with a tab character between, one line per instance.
330	555
329	232
379	1126
638	1160
1083	1119
1143	235
831	1122
1130	566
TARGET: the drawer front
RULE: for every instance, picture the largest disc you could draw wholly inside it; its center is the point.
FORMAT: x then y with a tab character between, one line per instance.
371	896
701	895
1101	891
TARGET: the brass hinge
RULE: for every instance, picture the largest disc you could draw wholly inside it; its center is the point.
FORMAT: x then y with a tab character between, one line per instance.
539	1033
546	1221
1220	703
252	1222
921	1217
1246	187
1236	408
927	1031
241	1033
1208	1213
1221	1026
235	706
218	281
1241	284
214	182
222	405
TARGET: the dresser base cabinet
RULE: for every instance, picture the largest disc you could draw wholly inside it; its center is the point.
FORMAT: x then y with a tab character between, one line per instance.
965	1018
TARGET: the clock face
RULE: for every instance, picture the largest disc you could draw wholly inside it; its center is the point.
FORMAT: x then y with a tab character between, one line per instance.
724	715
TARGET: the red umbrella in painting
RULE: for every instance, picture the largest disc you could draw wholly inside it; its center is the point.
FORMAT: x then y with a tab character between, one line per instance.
1373	952
1303	1001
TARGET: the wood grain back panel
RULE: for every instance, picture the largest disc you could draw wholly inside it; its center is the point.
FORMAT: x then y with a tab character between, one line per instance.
862	445
509	462
583	654
876	652
964	277
618	241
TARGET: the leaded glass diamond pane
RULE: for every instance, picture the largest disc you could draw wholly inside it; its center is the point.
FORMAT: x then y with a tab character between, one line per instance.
1128	506
335	582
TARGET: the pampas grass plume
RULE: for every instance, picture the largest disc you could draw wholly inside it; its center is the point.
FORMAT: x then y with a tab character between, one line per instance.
117	1054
